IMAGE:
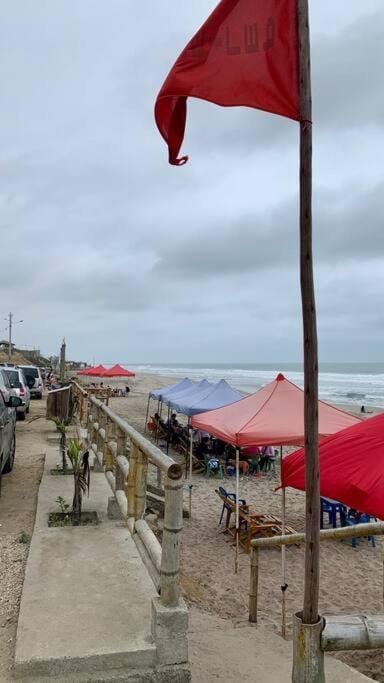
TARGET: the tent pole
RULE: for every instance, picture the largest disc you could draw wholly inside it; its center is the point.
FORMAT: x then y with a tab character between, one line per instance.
284	584
169	429
159	405
190	470
146	417
237	510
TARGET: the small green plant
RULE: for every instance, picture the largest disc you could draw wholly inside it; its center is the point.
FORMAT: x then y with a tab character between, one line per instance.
24	537
63	505
79	458
61	426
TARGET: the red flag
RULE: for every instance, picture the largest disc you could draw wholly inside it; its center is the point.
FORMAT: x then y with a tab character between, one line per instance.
246	54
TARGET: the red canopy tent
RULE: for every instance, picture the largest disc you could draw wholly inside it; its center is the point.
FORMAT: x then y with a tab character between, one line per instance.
97	371
351	467
118	371
86	371
273	416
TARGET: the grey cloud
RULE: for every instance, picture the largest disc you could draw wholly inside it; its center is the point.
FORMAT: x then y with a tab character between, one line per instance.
347	226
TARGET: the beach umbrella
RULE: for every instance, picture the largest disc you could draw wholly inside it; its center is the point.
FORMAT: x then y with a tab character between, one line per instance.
351	467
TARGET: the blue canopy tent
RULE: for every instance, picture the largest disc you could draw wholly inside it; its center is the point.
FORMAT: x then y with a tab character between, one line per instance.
204	397
217	396
183	384
163	392
175	398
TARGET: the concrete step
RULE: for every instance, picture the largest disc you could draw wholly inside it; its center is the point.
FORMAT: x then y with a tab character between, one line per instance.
139	655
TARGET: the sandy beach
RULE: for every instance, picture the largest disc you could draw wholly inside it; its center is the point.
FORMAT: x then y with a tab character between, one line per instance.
351	578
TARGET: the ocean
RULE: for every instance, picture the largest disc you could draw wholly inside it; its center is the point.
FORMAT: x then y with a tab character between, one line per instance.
340	383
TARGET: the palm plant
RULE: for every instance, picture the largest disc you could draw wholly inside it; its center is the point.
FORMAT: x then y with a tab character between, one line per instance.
61	427
81	472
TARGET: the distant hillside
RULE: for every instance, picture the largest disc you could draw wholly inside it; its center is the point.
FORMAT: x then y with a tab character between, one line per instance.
17	358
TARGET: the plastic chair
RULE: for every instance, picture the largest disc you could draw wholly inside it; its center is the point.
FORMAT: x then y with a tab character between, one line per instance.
332	509
362	519
213	472
231	496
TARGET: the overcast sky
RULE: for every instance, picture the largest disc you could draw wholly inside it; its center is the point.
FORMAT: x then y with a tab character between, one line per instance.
133	260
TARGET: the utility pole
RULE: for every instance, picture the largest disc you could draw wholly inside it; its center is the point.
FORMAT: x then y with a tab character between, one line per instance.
10	336
9	320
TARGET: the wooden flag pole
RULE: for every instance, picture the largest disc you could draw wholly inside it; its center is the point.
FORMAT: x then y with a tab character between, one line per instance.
312	549
308	658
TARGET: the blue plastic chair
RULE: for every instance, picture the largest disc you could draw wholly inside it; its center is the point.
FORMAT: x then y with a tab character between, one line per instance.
232	496
332	508
363	519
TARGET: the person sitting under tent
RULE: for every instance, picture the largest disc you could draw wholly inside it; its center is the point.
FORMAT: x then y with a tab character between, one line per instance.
243	461
203	449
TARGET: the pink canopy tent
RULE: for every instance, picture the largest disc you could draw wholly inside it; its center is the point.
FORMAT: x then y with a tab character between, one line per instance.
273	416
118	371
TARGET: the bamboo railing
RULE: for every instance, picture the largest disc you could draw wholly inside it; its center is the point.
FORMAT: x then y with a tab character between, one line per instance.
340	632
125	454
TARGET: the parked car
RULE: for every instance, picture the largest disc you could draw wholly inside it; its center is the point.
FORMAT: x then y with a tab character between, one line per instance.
34	371
5	384
19	382
7	430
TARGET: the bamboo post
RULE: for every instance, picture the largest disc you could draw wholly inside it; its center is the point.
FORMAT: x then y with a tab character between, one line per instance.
159	477
108	458
121	450
141	484
85	409
102	420
131	482
173	524
308	657
254	584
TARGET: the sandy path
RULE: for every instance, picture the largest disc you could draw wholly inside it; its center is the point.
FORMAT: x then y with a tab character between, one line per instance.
17	514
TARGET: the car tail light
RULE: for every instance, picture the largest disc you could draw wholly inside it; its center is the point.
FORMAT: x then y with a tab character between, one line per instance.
22	392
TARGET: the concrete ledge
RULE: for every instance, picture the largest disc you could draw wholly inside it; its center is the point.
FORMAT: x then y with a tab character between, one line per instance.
137	656
174	674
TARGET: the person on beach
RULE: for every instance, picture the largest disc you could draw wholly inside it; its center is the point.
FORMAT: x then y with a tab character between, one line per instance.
203	449
127	390
267	454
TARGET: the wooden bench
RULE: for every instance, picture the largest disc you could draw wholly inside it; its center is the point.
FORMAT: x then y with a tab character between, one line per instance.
251	523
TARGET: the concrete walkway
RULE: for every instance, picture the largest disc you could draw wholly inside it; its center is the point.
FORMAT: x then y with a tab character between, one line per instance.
219	652
86	604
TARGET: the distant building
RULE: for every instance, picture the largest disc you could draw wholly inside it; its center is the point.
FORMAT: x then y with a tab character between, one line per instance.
4	345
